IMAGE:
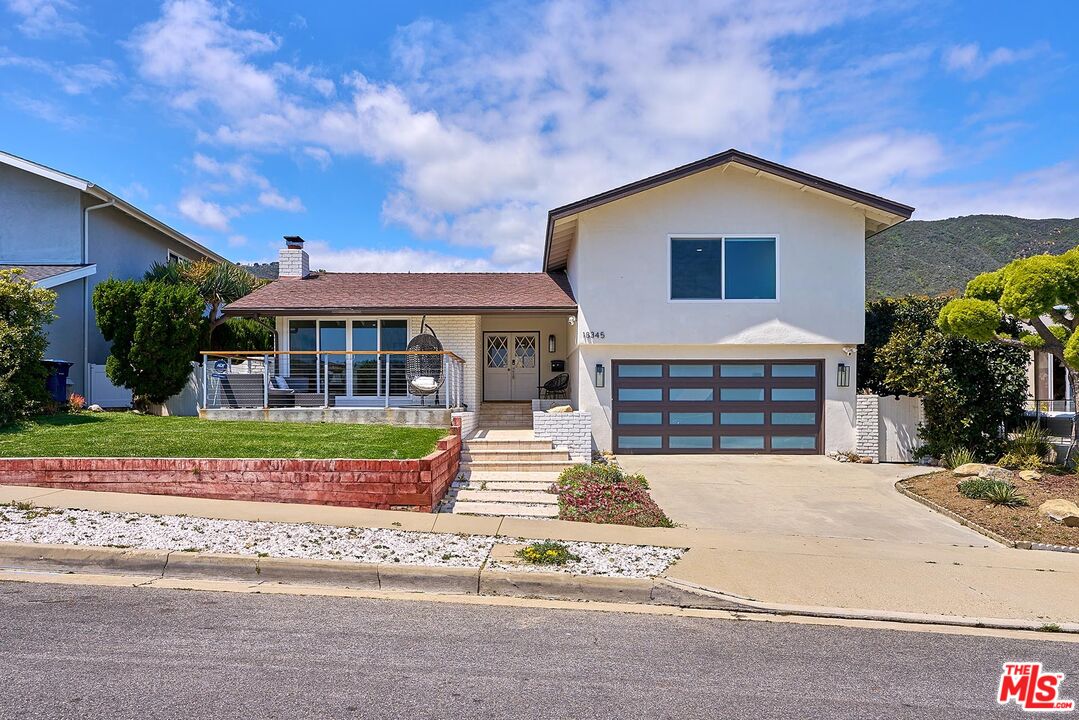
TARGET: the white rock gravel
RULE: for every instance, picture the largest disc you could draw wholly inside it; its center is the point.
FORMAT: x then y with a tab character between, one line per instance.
324	542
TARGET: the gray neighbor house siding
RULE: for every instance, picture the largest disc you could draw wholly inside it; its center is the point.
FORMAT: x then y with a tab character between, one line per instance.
42	223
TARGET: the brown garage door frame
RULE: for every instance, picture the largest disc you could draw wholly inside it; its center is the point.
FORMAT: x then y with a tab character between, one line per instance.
715	406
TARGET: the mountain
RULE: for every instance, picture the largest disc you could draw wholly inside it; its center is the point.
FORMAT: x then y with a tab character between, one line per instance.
934	256
267	271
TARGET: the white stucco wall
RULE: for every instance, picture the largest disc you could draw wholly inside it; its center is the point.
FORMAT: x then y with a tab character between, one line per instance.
839	403
619	266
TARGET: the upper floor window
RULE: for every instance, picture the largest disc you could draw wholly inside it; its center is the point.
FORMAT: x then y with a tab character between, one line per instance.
723	268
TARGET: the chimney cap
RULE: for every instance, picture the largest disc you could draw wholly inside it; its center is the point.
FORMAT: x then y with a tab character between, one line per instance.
294	241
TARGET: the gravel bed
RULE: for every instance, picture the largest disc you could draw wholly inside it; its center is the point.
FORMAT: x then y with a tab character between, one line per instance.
271	539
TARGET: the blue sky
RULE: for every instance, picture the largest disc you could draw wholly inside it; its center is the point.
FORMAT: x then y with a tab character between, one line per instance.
435	136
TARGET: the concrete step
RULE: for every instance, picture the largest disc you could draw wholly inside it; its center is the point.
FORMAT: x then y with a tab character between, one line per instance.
508	496
478	476
521	466
535	486
514	455
511	509
483	444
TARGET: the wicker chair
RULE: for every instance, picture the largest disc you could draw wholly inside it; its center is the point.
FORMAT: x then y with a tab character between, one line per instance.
556	387
424	373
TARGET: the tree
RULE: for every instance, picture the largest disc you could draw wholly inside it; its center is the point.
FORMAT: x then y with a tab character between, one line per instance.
969	390
1029	304
154	329
217	283
25	310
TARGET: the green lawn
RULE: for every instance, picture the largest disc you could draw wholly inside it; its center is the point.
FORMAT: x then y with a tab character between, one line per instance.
130	435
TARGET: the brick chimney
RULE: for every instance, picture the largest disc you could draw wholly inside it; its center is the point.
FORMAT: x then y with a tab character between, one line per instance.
293	262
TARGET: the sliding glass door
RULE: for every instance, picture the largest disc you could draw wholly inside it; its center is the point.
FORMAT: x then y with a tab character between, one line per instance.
352	375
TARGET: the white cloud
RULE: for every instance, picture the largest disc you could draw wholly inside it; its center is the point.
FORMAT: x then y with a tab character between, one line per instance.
206	213
874	162
75	79
46	18
237	240
400	260
321	156
43	109
971	62
277	201
135	191
1051	192
237	176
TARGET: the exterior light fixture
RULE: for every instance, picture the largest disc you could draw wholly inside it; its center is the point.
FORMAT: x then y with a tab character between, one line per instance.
842	375
600	375
550	344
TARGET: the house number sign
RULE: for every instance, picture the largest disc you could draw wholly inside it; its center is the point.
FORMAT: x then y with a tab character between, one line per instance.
594	335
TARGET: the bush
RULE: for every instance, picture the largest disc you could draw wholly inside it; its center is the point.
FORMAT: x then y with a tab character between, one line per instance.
956	457
1031	440
1018	461
547	552
1004	494
604	494
977	488
25	310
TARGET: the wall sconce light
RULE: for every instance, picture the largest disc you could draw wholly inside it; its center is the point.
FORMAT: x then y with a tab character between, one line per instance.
551	344
842	375
600	375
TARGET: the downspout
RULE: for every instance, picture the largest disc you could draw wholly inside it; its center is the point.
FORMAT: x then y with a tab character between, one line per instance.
86	297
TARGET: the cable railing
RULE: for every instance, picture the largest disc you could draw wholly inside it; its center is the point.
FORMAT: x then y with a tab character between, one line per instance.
329	378
1038	406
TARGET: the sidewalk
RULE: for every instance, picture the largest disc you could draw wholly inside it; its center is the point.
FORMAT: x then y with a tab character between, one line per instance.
832	573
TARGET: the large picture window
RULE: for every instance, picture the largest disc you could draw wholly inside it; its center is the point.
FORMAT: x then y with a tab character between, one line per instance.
723	268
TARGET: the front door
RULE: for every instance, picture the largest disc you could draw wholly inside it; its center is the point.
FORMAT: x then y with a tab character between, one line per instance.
511	366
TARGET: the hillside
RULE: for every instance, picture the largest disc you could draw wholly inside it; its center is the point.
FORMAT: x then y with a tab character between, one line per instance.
935	256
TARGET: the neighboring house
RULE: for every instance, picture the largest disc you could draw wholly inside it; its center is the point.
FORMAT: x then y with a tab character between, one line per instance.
712	308
1048	389
68	234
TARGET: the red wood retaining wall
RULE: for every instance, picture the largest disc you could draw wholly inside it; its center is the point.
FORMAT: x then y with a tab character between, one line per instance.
383	484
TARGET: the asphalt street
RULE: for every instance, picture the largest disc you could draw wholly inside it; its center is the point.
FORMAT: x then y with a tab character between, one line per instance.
91	652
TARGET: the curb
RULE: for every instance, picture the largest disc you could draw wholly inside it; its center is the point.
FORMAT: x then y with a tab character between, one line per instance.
445	580
995	537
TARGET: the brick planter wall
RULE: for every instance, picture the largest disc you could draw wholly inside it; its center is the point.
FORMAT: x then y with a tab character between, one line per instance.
383	484
572	431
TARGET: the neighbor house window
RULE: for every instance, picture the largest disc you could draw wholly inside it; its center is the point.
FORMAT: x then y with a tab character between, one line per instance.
723	268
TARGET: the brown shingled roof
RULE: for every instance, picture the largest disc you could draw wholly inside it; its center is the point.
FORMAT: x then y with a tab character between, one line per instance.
36	273
431	293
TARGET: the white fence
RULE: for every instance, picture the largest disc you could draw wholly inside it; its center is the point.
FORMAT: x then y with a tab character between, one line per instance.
107	395
888	427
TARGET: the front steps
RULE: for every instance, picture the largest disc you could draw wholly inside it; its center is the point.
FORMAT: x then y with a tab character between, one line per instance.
506	471
508	415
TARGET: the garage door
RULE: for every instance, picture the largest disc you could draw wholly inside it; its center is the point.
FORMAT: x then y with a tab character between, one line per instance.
721	406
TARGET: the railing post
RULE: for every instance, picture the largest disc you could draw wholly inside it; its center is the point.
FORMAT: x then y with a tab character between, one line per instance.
205	385
445	372
386	396
325	382
265	380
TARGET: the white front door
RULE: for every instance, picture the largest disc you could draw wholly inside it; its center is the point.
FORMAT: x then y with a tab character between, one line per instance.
511	366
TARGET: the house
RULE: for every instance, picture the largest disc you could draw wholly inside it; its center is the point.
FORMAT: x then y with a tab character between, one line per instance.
715	307
68	234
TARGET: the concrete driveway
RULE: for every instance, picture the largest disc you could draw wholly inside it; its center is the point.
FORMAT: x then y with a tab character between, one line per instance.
794	495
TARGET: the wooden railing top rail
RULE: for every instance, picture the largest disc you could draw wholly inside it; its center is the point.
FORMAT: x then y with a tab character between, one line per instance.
257	354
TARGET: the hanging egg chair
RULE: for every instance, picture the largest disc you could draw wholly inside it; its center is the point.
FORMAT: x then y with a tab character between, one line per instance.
425	373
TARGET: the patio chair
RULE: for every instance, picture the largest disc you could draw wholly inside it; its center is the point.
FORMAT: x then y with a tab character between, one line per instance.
556	387
240	390
424	373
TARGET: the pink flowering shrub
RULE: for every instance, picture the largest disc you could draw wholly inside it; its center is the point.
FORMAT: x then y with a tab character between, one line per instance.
604	494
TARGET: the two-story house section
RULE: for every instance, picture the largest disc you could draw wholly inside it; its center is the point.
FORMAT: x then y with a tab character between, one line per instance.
714	308
68	234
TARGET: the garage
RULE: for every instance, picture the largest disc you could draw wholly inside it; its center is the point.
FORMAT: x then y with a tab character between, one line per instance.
718	406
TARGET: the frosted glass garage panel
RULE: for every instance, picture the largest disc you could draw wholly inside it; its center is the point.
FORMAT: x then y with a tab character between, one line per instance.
650	371
640	442
691	370
689	442
640	394
741	418
794	442
691	394
794	370
794	394
794	418
640	418
732	371
741	442
691	418
742	394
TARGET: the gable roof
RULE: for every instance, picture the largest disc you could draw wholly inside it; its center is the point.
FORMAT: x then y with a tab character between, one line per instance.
431	293
99	192
889	212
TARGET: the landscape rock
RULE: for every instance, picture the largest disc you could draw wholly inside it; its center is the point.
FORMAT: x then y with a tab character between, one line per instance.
1030	475
561	409
992	472
970	469
96	408
1063	511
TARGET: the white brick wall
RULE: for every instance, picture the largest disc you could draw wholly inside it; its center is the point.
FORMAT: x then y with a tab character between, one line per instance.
469	422
867	415
293	263
572	431
458	333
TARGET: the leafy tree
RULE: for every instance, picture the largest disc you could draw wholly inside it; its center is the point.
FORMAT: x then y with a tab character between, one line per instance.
25	310
154	329
1029	304
240	334
969	389
218	283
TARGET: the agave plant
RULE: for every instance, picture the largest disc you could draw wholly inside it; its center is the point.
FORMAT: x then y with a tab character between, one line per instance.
956	457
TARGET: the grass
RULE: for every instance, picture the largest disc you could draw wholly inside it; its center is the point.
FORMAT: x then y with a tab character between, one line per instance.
130	435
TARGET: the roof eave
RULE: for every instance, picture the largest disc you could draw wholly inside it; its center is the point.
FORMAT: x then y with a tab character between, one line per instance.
308	311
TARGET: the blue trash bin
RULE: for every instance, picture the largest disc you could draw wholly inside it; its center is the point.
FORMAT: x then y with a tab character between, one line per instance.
56	382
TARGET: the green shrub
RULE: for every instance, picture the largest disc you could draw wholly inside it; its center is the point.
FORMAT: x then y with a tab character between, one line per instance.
1033	439
547	552
1004	494
1017	461
956	457
976	488
25	310
601	473
604	494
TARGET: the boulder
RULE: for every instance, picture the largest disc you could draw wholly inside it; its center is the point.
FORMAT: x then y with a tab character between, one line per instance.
992	472
1030	475
561	409
96	408
1063	511
970	469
